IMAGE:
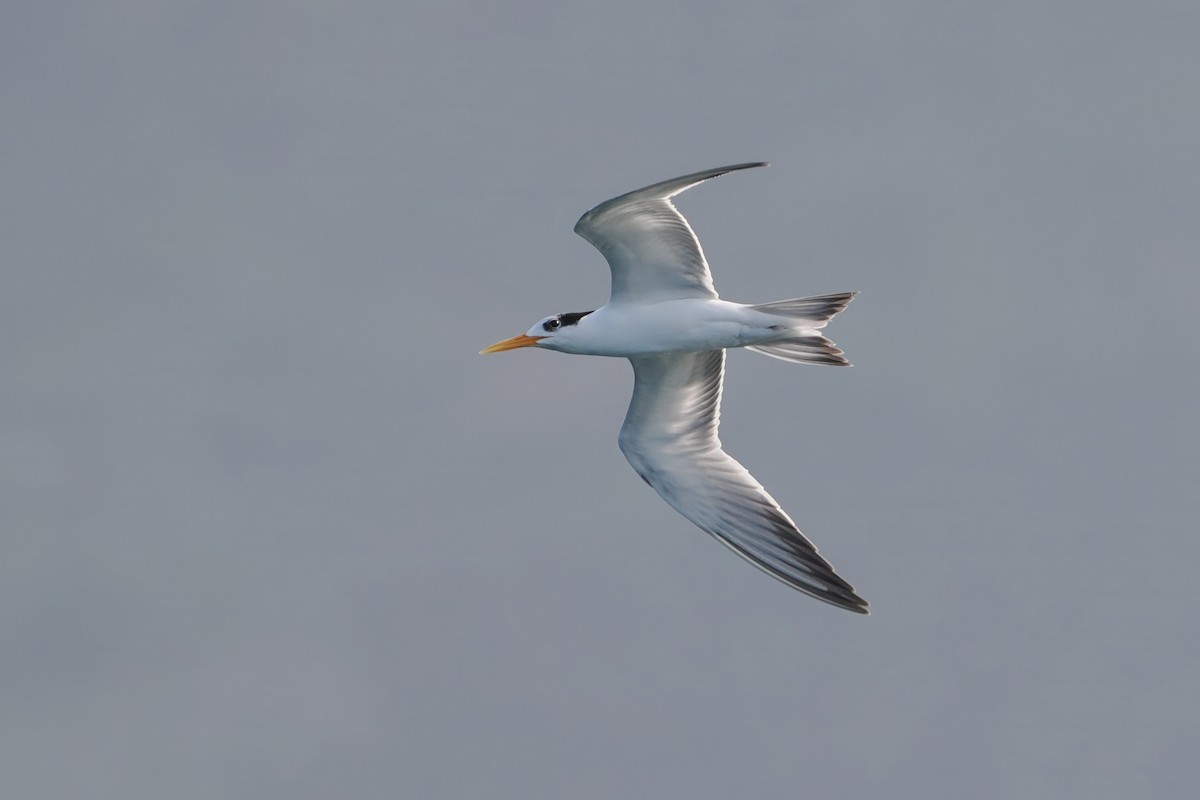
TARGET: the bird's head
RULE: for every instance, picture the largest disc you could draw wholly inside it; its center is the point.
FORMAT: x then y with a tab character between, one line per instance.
553	333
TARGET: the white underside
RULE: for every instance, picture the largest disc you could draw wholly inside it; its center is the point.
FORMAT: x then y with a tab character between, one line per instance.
671	326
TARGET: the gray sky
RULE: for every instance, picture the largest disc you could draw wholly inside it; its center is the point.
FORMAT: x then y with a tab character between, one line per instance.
271	528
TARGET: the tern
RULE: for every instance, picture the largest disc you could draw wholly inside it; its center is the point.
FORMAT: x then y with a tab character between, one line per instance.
664	315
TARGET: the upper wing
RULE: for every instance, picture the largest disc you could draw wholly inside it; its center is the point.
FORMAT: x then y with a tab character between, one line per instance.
670	439
650	248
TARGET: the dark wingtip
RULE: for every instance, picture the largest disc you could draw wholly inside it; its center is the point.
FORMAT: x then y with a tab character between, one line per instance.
848	600
747	165
717	171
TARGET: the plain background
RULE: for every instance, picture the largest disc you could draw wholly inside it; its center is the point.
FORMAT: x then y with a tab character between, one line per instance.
271	528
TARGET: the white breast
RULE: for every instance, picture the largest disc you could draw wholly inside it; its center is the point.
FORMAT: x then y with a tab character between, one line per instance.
668	327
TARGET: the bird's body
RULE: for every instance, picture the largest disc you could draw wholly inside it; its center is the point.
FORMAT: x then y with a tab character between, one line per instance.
664	315
669	326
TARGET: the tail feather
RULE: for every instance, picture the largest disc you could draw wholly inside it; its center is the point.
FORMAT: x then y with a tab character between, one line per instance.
811	349
800	339
810	312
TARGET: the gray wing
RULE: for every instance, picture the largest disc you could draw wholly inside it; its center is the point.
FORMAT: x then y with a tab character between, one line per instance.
670	438
652	251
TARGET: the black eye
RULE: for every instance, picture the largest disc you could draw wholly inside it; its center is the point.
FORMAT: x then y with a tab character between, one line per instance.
552	324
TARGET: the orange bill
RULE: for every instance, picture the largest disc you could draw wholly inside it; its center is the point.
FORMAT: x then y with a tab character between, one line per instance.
512	344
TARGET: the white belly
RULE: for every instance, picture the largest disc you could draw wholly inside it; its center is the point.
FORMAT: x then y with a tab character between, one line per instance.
670	327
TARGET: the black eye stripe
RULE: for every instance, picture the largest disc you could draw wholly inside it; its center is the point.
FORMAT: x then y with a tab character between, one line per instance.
569	318
573	317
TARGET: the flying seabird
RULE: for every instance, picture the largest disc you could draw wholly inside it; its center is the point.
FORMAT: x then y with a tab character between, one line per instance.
664	315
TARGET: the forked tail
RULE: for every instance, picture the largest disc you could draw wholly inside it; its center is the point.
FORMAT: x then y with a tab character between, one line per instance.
805	344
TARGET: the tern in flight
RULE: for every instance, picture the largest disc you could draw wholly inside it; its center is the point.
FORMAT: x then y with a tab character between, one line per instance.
664	316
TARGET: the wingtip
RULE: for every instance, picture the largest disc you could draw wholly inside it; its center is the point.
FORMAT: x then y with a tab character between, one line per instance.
749	165
848	600
718	171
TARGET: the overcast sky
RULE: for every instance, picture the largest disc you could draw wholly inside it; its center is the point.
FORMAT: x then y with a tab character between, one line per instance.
271	528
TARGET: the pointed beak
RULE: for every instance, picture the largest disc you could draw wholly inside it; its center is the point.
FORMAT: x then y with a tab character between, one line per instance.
512	344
